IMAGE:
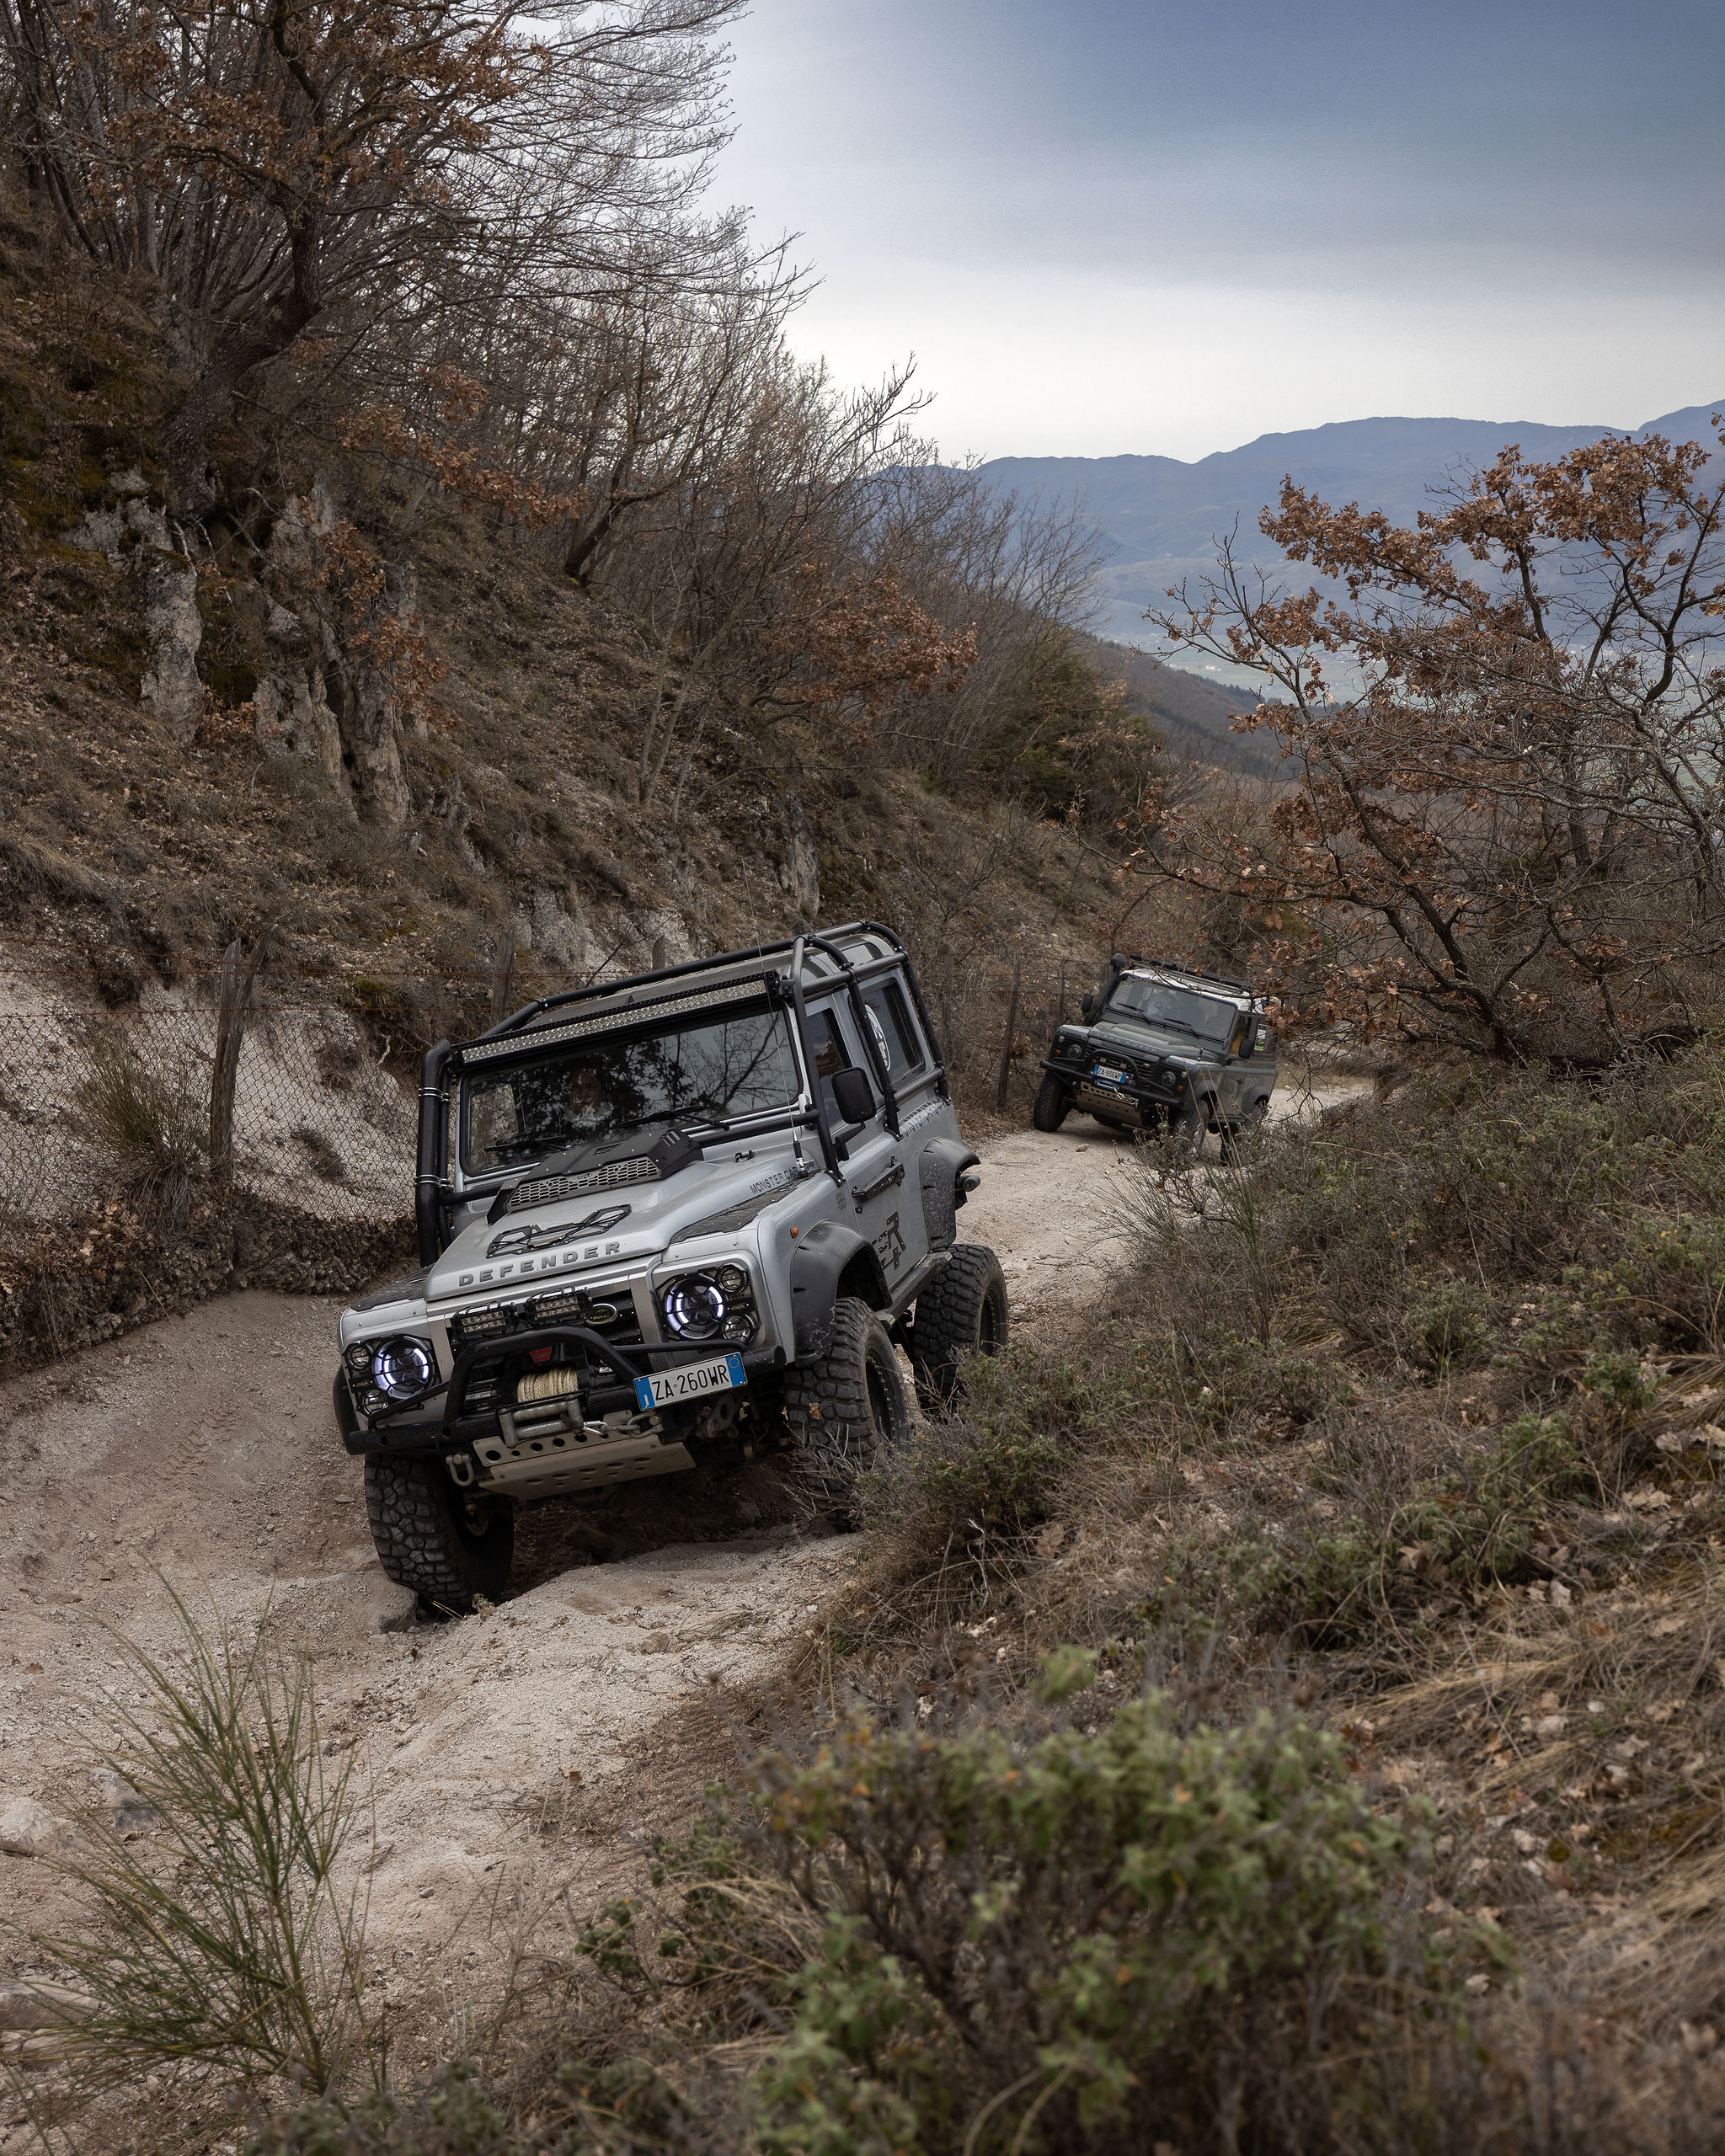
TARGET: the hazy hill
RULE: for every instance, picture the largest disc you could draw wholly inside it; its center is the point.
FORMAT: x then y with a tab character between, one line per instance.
1162	516
1194	716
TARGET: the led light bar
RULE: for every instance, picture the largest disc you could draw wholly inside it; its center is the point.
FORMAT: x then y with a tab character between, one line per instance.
576	1029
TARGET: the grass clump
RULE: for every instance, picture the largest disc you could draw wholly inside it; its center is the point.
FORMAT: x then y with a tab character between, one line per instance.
242	1953
152	1118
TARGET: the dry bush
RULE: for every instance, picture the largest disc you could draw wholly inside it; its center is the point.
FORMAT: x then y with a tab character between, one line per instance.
232	1941
154	1119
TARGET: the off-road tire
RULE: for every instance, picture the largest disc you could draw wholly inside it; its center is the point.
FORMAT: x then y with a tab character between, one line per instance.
1190	1125
1053	1103
846	1409
446	1545
1238	1138
962	1311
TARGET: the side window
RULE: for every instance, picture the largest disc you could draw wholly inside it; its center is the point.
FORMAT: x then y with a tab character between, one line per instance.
895	1030
830	1056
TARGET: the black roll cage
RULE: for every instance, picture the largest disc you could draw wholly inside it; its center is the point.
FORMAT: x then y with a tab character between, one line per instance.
431	1187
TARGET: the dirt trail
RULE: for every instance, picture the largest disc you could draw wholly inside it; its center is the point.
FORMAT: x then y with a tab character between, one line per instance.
1045	1203
200	1451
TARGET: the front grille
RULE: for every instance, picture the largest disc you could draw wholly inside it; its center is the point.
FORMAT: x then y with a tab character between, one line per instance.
613	1315
491	1381
550	1188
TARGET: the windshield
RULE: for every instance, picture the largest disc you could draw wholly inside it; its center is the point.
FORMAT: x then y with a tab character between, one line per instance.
697	1070
1157	1003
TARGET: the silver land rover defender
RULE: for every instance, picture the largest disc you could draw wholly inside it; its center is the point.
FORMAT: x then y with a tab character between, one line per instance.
676	1218
1164	1048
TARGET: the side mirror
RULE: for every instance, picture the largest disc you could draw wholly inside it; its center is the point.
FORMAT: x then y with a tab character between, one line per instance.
853	1094
1086	1008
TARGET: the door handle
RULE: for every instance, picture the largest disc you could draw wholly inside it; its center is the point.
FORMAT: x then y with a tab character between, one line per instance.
895	1174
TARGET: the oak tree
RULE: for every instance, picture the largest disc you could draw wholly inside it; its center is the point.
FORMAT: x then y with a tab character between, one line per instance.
1505	727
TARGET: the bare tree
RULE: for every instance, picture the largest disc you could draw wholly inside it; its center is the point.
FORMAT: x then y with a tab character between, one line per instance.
277	165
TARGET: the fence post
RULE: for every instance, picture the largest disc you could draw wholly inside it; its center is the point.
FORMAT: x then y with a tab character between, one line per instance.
999	1098
234	1000
502	975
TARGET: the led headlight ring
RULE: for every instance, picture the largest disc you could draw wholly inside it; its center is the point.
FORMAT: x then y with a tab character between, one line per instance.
403	1368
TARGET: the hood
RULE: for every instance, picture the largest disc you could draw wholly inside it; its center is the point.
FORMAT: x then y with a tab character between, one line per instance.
1140	1036
611	1227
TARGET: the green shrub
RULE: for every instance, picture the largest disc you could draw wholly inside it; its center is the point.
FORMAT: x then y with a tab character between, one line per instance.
453	2115
1477	1523
1481	1523
1084	1943
995	1469
1447	1324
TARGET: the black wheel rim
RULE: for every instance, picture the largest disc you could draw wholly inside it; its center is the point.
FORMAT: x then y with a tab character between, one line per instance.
473	1516
991	1323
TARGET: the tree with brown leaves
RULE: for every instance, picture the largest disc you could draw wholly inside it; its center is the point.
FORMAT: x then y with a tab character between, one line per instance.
1506	729
272	164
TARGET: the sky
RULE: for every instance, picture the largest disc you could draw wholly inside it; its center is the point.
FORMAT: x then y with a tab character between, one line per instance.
1124	226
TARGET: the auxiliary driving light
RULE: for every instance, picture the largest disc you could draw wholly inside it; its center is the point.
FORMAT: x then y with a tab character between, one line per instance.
403	1368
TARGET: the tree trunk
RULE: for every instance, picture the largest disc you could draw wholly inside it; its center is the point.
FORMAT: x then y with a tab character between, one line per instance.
182	439
999	1095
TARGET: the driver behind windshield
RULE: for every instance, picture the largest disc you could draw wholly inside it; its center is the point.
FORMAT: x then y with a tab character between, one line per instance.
585	1101
1157	1002
706	1067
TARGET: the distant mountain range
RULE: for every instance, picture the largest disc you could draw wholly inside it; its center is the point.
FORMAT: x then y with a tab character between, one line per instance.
1161	517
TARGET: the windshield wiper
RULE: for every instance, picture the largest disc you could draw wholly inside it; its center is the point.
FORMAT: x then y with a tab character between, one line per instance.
1179	1024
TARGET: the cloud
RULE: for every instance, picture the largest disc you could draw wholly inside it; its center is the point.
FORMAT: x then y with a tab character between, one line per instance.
1114	225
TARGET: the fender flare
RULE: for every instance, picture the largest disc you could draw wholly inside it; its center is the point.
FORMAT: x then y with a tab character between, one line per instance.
826	1252
950	1156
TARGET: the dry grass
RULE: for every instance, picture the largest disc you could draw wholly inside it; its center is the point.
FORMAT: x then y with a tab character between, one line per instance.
230	1945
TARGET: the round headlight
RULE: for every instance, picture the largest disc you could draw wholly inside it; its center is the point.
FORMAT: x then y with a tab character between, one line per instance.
732	1279
697	1307
359	1356
402	1368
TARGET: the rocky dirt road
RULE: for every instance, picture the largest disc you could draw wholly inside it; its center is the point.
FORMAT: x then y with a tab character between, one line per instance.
505	1754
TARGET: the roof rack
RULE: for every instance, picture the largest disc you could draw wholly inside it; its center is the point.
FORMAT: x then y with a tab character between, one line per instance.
821	939
1119	965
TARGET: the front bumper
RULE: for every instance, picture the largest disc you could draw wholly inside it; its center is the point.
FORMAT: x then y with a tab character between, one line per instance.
448	1429
1142	1096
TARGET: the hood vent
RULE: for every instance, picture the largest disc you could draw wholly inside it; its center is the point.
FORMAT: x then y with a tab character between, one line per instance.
550	1189
665	1155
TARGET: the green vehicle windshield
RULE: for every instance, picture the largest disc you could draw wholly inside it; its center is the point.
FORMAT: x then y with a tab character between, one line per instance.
1207	1018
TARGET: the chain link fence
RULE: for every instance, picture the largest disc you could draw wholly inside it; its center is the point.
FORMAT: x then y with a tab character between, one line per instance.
97	1104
